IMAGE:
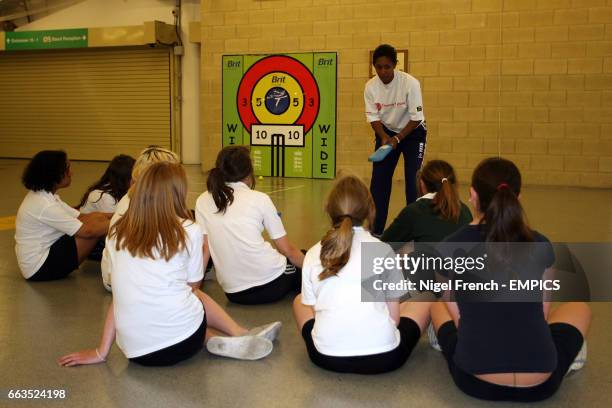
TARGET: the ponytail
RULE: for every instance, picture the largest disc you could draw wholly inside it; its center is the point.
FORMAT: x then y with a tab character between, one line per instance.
233	164
497	182
446	201
336	247
439	177
505	218
222	194
348	204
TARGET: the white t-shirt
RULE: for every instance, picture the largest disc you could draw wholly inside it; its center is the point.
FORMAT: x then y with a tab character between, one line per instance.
153	304
120	209
242	258
396	103
42	219
98	200
344	325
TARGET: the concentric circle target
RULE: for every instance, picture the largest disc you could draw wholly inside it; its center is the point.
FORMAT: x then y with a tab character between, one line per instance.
274	102
278	90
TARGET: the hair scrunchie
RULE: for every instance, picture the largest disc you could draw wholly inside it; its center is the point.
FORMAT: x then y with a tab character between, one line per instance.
502	185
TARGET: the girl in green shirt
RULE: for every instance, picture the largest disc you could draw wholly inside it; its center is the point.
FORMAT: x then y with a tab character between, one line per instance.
436	214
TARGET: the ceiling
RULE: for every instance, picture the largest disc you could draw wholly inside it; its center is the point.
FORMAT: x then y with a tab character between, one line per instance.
12	10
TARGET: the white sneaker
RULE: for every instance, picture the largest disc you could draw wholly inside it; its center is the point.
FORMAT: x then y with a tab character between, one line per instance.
580	359
433	340
240	347
269	331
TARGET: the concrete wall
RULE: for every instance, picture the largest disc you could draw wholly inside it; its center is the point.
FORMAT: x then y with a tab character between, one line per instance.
109	13
530	80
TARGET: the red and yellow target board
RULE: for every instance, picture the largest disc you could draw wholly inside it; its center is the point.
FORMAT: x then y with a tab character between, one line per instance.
284	107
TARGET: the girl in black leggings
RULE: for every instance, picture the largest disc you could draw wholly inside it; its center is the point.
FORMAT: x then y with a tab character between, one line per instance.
514	351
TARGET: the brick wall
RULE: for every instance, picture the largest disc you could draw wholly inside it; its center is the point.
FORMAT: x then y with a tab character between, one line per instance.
530	80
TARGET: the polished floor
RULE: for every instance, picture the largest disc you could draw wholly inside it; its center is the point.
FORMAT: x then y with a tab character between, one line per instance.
39	322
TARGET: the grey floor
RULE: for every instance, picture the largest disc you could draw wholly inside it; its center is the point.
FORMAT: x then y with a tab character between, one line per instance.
39	322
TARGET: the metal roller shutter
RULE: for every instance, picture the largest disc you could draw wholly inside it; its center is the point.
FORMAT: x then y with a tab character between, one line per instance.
93	103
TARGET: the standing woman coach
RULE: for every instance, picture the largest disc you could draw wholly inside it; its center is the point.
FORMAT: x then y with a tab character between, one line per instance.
394	109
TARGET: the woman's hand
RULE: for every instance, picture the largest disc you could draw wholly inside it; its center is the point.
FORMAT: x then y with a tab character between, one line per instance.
81	358
393	141
97	355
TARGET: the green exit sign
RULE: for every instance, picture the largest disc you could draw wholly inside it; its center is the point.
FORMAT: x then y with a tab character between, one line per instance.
48	39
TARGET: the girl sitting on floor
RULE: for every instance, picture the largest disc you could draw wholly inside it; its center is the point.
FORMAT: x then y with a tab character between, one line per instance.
431	218
507	351
150	155
436	214
158	315
341	332
52	238
104	194
233	216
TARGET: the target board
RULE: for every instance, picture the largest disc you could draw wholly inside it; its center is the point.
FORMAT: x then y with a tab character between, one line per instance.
284	107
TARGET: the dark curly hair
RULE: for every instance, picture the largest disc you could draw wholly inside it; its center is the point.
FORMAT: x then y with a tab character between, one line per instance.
45	170
384	50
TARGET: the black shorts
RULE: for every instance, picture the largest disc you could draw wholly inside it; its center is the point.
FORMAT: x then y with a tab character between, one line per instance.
568	341
371	363
289	281
63	258
177	352
97	251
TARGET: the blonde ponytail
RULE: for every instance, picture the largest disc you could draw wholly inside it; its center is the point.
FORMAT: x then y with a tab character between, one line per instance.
349	204
336	248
